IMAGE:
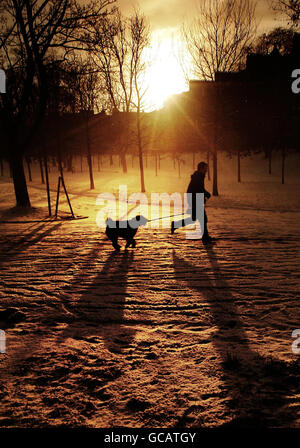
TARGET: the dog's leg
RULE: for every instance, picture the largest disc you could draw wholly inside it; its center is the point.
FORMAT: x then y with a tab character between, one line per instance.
115	244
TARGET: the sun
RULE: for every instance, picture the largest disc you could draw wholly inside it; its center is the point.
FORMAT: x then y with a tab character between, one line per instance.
164	76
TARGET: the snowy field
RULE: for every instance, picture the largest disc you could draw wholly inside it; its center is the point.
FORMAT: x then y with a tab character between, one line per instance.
170	334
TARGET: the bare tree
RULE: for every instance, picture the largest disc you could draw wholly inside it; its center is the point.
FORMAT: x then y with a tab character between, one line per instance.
218	37
88	91
289	8
117	50
217	40
29	30
110	50
139	32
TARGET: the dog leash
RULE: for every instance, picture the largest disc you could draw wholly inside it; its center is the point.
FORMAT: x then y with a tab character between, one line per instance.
165	217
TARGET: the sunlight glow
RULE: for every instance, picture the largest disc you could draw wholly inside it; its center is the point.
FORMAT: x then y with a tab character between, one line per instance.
164	76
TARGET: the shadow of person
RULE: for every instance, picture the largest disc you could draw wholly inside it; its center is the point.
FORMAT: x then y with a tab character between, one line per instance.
100	310
258	388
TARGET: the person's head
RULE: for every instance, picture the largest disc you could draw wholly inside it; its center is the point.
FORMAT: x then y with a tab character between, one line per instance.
202	167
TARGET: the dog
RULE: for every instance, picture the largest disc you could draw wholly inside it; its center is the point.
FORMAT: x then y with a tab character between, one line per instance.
125	230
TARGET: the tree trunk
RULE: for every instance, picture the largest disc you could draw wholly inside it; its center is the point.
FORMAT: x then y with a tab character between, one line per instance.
1	165
123	162
111	160
59	161
89	161
156	164
194	160
19	180
89	156
239	166
179	168
29	168
215	174
270	161
140	152
208	165
47	183
42	170
69	163
283	166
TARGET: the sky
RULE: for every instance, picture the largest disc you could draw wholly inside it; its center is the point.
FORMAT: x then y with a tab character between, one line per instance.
165	18
169	14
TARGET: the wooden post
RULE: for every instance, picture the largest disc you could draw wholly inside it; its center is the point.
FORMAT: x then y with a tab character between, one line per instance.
67	196
57	196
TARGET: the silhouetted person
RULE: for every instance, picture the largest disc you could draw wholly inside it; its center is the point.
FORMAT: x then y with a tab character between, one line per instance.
196	185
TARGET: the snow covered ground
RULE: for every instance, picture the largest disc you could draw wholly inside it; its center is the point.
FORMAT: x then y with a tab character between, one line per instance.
170	334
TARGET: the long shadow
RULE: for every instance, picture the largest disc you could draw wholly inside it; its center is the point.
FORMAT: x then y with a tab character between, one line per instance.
27	240
56	311
100	310
258	387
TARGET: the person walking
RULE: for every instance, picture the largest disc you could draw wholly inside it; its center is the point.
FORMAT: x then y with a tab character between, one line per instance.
196	185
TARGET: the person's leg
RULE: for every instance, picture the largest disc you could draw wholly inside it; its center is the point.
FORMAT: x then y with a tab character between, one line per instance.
115	244
206	237
205	231
181	223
